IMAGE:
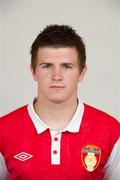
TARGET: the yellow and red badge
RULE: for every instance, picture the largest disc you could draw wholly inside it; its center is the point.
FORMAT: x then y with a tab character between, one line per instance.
90	155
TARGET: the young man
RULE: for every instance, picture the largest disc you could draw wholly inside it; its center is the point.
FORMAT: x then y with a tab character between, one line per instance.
57	136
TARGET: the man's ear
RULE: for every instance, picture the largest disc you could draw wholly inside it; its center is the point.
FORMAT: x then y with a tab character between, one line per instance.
82	74
33	73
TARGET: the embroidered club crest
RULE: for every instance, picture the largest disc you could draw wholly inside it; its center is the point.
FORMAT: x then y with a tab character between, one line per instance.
90	156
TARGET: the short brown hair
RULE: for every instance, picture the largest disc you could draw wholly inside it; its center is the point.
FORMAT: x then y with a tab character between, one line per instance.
58	36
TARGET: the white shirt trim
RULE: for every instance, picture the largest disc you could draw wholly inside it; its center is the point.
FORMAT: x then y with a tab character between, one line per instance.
112	167
3	170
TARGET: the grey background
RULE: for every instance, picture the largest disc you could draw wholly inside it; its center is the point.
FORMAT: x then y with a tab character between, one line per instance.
96	21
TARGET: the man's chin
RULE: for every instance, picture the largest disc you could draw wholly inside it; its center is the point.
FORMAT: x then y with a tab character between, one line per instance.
57	100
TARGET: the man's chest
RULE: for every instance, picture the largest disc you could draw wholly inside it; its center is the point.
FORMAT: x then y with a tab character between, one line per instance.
42	156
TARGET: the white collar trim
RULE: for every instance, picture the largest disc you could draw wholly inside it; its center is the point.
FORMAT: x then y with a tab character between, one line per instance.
73	126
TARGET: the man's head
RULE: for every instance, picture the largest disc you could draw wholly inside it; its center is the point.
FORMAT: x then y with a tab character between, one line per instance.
58	36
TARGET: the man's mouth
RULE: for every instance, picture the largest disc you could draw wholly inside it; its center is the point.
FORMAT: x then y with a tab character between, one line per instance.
57	87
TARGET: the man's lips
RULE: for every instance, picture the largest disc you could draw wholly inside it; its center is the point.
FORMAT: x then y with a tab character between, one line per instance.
57	87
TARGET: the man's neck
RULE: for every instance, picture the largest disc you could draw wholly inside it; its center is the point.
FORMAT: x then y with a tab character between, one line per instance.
56	116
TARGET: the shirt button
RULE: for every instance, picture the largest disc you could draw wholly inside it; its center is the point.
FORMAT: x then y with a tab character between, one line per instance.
55	152
55	139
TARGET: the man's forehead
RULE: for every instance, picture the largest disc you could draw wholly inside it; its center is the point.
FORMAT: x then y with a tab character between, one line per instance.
51	53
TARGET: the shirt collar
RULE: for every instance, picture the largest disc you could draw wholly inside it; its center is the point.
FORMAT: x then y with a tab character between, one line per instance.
73	126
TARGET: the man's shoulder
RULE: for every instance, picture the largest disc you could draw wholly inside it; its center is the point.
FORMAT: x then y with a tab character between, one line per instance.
102	124
13	115
100	116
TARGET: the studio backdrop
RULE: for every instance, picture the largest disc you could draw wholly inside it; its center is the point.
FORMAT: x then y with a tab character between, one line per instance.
96	21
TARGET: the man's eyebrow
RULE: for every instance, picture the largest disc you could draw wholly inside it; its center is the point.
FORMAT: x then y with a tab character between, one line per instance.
70	64
45	63
63	64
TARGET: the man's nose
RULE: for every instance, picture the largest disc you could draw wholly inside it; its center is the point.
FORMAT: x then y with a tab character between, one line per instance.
57	74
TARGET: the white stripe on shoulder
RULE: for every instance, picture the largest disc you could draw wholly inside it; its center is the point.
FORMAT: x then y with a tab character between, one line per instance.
112	167
4	175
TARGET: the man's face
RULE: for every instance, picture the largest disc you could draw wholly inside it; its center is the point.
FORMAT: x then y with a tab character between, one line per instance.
57	74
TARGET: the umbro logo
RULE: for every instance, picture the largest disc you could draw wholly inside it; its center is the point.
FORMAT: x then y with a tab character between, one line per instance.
23	156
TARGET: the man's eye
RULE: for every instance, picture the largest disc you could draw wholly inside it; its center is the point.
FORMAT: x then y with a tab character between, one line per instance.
46	66
67	67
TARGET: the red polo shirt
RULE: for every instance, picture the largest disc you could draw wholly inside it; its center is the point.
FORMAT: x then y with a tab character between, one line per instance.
82	155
